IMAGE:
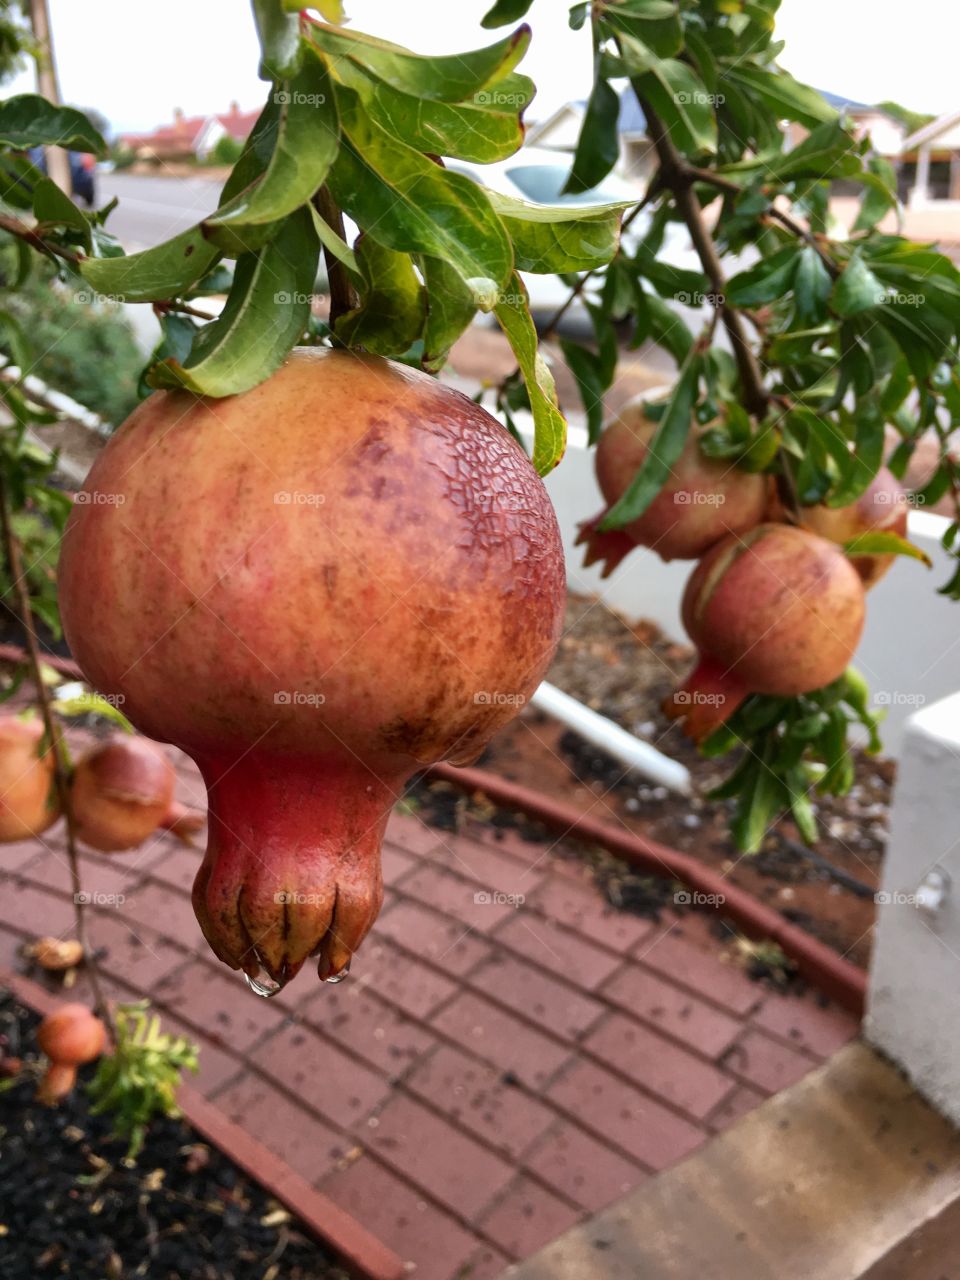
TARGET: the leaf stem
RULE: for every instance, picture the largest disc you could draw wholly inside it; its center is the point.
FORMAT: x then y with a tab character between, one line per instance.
343	296
54	736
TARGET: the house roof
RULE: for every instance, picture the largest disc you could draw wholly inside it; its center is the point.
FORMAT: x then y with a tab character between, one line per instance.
185	131
841	103
930	132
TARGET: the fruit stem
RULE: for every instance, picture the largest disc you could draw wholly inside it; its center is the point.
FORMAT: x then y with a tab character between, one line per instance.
61	769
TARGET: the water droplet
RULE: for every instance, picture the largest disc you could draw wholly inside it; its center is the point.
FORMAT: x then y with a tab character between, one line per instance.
263	985
339	977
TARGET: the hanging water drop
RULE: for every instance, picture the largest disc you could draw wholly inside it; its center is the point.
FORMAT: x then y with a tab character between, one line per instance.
339	977
263	985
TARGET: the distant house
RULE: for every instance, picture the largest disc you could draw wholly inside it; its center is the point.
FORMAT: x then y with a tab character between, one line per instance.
559	132
190	137
930	161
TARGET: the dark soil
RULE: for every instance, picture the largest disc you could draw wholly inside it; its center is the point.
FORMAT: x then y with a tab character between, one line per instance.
625	672
72	1205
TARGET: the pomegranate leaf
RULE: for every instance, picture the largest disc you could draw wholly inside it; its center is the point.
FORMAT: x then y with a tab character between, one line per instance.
27	120
550	427
266	312
598	146
558	238
392	309
279	34
449	78
485	128
504	12
155	274
415	205
450	309
665	448
307	140
884	542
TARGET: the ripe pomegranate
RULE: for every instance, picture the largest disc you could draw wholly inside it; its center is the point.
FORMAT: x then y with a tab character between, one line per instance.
70	1036
28	796
313	588
881	508
121	791
703	500
777	611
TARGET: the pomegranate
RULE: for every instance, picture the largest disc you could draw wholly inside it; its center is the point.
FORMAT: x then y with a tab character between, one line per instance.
777	611
703	500
313	588
28	796
121	791
881	508
70	1036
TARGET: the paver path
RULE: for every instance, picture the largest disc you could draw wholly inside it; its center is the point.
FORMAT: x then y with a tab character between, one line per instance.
490	1073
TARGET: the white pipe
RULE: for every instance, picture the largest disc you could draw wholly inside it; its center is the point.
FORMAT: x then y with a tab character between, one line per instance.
603	733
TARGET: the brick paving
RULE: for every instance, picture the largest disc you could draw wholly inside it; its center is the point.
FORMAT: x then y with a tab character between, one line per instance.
490	1074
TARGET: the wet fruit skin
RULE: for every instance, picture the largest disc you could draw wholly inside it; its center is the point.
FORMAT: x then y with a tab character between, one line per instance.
312	588
777	611
703	500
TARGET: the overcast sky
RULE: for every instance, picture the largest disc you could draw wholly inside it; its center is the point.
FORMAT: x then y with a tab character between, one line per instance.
200	54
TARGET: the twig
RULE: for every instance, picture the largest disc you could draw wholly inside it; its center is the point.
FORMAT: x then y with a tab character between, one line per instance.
60	768
181	308
678	178
35	239
343	296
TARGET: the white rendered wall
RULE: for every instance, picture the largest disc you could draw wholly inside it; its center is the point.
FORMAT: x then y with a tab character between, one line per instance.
915	974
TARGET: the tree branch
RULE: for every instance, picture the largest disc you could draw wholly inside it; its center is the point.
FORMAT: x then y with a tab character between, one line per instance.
343	296
61	773
35	239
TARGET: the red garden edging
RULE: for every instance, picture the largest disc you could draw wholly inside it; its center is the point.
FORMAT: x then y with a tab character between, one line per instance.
363	1255
844	982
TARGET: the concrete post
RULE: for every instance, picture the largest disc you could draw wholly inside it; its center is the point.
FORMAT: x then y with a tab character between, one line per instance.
921	183
915	973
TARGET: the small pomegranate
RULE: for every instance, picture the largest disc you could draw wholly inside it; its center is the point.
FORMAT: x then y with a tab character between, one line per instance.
313	588
703	500
777	611
28	796
183	822
121	792
70	1036
881	508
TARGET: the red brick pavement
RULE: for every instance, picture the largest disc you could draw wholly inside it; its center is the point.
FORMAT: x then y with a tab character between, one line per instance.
493	1071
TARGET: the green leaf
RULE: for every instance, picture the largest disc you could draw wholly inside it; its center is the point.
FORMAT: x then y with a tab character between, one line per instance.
811	287
265	314
392	309
857	289
18	177
551	239
307	140
768	280
829	151
667	329
652	23
885	543
867	456
665	448
785	97
155	274
598	146
588	374
53	207
880	181
678	96
27	120
759	805
279	35
415	205
485	129
550	427
504	12
450	309
453	78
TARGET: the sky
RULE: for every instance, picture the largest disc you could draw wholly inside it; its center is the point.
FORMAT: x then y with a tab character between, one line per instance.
201	54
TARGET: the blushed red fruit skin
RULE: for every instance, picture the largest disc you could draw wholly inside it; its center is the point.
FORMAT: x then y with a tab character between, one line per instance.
881	508
411	577
121	791
703	500
71	1035
778	611
28	796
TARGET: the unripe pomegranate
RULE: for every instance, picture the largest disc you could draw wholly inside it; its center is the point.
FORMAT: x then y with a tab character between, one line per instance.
70	1036
881	508
703	500
121	792
28	796
313	588
778	611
